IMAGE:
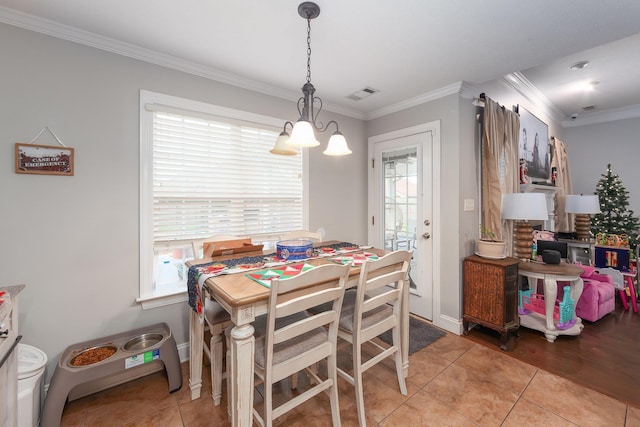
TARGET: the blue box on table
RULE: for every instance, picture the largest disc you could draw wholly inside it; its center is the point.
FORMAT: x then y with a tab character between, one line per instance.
614	257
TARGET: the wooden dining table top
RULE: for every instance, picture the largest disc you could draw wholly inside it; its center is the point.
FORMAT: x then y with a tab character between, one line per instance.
236	289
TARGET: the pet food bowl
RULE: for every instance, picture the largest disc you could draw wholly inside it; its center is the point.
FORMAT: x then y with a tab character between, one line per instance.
294	249
92	355
142	342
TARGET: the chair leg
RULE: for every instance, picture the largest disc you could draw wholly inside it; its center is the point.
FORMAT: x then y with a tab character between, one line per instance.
332	373
623	299
216	368
357	383
268	405
395	334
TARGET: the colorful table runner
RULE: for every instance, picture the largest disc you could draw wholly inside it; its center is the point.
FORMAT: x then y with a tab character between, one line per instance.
354	259
199	273
287	271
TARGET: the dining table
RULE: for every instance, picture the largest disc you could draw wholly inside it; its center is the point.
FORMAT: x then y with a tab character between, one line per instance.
245	299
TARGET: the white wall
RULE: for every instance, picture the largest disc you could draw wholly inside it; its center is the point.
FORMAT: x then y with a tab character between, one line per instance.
74	240
592	147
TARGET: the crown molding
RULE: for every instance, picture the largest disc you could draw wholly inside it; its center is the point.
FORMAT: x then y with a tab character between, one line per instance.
451	89
525	88
65	32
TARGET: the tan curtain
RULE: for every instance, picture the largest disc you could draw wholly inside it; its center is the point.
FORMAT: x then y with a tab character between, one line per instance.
560	160
501	128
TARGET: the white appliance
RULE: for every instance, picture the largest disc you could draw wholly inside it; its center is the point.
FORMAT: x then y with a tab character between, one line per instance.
9	339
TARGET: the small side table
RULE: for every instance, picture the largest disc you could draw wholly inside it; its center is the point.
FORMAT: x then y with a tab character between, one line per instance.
491	295
551	274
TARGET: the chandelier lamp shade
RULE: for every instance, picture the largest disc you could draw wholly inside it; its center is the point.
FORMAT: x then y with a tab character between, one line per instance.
582	207
523	207
303	132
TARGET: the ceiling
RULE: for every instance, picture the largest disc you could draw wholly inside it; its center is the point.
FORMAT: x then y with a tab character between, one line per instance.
407	50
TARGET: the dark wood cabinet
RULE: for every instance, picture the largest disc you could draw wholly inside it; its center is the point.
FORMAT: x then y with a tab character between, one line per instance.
491	295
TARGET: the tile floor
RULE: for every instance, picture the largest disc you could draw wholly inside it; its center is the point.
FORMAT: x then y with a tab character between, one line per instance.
452	382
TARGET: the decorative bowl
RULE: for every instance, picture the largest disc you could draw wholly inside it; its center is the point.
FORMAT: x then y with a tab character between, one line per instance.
294	249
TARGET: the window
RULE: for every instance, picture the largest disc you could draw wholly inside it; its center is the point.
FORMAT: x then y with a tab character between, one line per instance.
207	170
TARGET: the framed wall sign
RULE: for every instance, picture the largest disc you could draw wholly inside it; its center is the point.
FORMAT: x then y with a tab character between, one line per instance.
43	159
534	146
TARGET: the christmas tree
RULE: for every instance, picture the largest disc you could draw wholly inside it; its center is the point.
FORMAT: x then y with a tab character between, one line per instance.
615	216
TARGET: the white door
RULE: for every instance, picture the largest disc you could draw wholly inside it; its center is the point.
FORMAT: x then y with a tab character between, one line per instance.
401	209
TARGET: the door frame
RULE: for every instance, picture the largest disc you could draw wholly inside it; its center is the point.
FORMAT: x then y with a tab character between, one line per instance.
434	128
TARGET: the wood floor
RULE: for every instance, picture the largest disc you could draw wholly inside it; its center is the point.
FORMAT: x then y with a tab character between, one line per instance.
605	357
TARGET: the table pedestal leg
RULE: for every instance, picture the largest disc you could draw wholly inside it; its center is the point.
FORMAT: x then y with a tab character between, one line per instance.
196	339
550	295
577	287
241	378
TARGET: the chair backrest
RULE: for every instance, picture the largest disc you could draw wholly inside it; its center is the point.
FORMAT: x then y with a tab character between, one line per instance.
382	282
618	278
302	234
315	287
198	245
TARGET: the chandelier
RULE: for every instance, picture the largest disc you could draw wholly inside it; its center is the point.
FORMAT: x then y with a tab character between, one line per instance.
303	131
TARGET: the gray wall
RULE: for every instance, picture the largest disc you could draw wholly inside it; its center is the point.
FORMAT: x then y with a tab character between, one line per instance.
592	147
456	156
74	240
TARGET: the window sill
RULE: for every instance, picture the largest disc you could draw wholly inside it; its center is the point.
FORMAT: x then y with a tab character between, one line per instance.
162	300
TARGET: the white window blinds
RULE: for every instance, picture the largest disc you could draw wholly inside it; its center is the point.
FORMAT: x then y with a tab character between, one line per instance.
216	176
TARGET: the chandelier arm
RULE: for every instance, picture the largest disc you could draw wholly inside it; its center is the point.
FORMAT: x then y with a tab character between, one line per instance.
284	128
324	129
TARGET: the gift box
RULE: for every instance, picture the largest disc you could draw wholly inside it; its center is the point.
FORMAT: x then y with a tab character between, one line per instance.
614	257
229	247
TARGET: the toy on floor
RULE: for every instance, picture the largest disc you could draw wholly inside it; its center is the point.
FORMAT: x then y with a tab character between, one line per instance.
563	311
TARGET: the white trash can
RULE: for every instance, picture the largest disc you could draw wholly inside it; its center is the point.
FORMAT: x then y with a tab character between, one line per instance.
31	365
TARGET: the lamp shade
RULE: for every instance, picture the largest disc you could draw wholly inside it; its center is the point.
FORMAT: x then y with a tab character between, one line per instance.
337	146
302	135
579	204
282	146
524	206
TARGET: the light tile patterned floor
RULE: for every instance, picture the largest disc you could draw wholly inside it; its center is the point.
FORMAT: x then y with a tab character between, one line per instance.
452	382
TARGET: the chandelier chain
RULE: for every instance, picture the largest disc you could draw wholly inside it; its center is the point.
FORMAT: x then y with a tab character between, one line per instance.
308	50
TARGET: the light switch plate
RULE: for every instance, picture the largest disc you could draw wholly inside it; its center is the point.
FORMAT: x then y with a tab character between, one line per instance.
469	205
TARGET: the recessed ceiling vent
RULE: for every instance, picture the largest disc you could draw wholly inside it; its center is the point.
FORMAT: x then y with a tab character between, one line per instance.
580	65
362	93
589	108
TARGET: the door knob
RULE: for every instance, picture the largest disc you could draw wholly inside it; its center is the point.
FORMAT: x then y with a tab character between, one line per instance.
426	235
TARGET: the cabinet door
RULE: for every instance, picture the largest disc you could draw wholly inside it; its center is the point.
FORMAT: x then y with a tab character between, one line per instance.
484	292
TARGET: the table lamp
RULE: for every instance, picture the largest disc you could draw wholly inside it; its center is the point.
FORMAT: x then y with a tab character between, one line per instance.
523	207
582	207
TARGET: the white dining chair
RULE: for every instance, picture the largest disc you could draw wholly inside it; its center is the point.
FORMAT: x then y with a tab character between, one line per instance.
217	320
372	308
288	339
302	234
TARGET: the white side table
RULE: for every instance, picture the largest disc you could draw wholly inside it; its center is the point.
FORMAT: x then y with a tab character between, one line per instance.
551	274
